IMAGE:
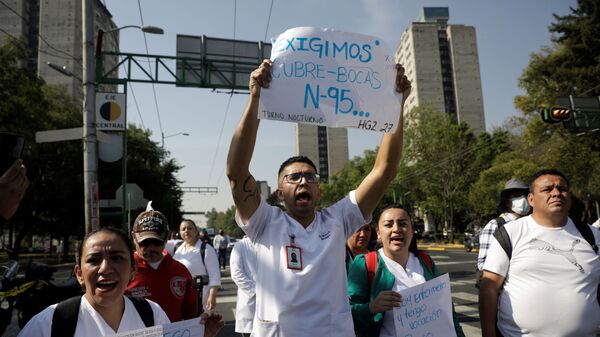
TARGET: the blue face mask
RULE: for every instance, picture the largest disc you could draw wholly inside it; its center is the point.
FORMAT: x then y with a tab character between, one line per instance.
520	205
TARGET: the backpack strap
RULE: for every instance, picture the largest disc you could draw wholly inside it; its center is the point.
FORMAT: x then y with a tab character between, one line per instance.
371	260
64	320
177	245
500	221
427	259
504	240
203	253
144	310
588	235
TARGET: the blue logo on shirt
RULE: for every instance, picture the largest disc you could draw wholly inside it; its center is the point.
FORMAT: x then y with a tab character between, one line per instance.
324	236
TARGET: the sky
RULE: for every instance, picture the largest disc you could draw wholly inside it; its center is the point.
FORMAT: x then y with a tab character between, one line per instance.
508	32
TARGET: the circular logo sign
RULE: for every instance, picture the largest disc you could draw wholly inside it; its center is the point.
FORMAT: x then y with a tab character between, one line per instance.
110	111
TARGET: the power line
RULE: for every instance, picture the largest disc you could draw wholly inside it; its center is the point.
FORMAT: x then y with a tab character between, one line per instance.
234	17
444	161
212	165
41	37
268	20
39	50
150	70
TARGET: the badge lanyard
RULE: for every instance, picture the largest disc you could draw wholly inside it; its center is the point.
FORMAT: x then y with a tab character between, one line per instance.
293	254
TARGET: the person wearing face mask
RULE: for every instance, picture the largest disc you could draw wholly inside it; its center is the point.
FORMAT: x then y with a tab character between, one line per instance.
513	205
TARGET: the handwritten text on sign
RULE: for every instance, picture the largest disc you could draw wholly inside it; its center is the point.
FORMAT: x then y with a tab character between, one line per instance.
426	310
331	78
187	328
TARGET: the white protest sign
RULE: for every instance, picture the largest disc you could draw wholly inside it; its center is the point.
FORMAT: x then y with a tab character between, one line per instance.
426	310
187	328
332	78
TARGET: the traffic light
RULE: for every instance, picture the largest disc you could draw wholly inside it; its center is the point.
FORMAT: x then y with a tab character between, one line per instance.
556	114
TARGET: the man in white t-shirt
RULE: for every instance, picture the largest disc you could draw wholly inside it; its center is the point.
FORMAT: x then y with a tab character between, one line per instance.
548	285
305	296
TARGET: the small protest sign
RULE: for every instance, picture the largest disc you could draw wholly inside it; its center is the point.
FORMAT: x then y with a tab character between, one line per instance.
426	310
187	328
332	78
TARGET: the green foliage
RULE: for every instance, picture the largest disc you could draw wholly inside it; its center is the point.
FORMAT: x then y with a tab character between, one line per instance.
484	195
53	204
54	201
444	156
347	179
225	221
571	65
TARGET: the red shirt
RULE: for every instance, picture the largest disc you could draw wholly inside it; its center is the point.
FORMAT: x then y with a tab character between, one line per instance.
171	286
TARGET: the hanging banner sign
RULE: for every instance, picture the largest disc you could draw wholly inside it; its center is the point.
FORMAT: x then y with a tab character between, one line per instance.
111	111
332	78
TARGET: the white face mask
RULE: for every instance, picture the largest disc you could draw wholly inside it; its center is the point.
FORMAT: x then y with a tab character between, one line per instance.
520	205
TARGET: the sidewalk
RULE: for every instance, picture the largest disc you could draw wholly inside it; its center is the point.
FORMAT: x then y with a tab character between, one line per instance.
440	246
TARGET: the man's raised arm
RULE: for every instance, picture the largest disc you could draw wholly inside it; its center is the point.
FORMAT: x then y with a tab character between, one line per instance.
372	188
243	186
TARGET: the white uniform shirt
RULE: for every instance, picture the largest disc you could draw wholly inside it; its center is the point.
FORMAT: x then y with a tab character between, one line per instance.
191	258
312	301
90	323
552	282
404	279
242	264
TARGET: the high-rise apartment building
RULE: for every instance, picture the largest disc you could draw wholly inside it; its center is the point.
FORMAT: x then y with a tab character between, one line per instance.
326	147
53	31
442	62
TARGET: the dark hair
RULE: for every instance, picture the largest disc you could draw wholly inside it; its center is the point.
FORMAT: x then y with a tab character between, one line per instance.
296	159
412	247
543	172
189	220
194	224
124	237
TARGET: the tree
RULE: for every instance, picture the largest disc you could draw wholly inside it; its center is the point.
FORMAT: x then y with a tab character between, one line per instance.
54	200
570	66
441	154
53	203
225	221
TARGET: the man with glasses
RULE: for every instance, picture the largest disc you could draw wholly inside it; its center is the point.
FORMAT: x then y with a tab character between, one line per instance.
159	277
305	295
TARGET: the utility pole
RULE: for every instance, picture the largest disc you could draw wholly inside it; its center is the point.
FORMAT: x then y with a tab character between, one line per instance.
90	155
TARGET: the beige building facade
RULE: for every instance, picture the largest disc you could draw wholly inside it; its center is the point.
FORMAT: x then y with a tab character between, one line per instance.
326	147
442	62
53	31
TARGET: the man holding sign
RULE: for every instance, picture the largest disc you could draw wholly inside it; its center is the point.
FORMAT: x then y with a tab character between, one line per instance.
305	296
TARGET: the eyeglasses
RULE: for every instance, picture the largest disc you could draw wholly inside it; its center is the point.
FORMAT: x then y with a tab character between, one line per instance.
153	242
295	178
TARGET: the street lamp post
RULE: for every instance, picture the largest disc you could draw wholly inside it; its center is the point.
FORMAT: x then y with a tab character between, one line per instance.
173	135
98	68
90	154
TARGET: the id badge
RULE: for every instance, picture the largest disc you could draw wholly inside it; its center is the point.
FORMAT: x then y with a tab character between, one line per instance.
294	257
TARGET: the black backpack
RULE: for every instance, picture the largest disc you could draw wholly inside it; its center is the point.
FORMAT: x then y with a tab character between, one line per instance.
478	273
64	320
503	239
202	251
